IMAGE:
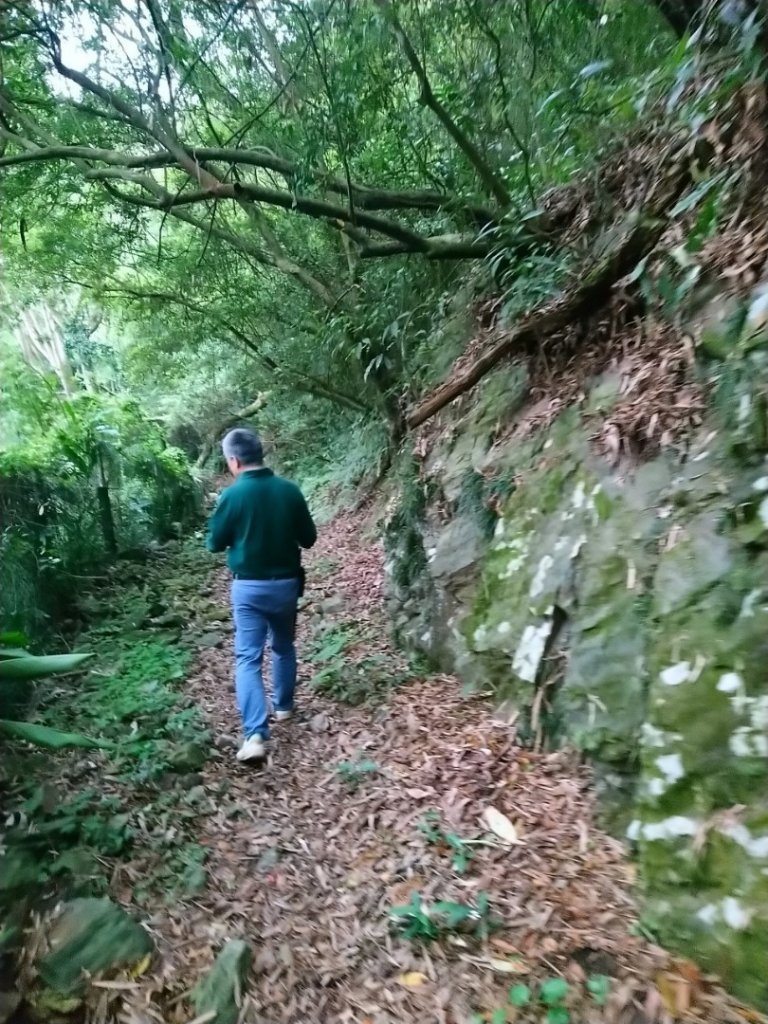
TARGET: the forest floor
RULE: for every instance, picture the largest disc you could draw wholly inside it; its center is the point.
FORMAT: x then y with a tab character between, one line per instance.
376	796
365	808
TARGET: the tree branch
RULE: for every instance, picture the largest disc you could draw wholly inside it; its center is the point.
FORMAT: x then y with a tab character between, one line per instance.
589	295
489	178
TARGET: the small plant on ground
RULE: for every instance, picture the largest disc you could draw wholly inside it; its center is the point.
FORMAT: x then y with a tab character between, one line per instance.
324	567
552	994
599	987
459	848
352	773
424	922
346	678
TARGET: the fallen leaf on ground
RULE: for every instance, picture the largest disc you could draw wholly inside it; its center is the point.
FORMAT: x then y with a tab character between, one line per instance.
511	966
413	979
501	827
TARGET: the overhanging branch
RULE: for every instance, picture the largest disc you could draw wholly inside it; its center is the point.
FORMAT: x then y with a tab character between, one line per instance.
588	295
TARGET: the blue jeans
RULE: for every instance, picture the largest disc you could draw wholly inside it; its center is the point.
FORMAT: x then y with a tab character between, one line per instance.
262	608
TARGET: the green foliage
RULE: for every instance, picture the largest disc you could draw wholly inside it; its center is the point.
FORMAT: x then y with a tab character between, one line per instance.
344	675
18	664
156	741
422	922
81	475
599	987
461	853
196	303
43	736
519	995
552	994
352	773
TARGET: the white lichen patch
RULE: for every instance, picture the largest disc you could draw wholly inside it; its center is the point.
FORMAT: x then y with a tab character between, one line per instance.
480	637
730	911
734	915
683	672
540	577
518	548
671	768
503	628
761	484
578	544
530	651
748	604
676	674
730	682
708	914
759	712
670	828
748	742
755	846
651	736
745	408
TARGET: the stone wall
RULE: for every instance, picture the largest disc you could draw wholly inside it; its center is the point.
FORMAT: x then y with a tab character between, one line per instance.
623	610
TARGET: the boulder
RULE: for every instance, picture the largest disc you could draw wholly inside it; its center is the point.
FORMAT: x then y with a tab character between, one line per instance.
220	992
638	596
90	937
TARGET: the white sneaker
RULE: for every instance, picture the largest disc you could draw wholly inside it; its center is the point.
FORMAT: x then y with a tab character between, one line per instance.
283	716
252	750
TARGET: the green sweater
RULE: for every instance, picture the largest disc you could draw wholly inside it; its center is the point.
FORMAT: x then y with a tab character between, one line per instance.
263	520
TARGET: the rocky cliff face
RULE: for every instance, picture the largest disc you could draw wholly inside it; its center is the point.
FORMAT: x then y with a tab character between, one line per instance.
620	606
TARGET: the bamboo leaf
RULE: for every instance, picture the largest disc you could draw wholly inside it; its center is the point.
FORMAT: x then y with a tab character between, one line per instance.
33	667
501	826
42	736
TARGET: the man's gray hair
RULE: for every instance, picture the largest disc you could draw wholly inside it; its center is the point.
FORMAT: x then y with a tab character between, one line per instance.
243	445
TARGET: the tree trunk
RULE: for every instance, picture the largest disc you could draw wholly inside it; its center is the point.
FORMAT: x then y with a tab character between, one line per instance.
106	518
680	13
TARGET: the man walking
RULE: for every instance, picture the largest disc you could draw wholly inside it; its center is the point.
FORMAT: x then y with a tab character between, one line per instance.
263	522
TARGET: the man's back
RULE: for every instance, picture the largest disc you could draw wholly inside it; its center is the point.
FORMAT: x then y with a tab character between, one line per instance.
264	521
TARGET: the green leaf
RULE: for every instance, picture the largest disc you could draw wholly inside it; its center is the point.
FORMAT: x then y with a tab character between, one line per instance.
519	995
553	991
696	195
42	736
499	1016
558	1015
598	987
13	652
590	70
638	271
32	667
13	638
454	913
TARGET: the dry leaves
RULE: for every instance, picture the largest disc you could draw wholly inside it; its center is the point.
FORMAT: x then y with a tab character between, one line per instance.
307	870
501	827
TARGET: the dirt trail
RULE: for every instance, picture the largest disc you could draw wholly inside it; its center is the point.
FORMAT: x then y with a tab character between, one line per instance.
306	867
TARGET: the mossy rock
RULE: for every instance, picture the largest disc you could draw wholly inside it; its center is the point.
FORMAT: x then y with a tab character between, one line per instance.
91	936
220	991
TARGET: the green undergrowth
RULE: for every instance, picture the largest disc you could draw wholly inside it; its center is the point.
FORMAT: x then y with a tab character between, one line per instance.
345	669
75	815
